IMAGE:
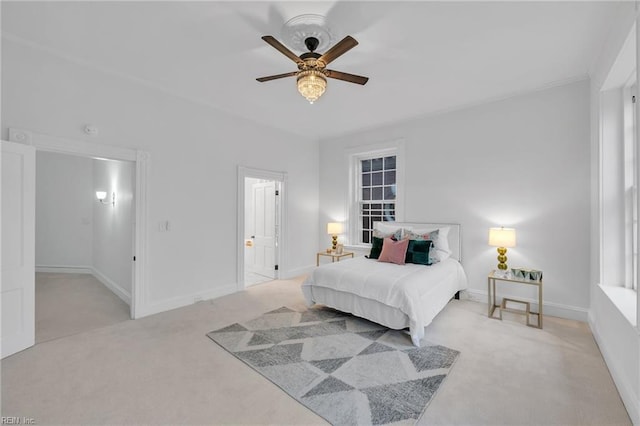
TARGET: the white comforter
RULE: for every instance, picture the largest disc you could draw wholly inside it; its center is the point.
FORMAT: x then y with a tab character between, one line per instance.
417	291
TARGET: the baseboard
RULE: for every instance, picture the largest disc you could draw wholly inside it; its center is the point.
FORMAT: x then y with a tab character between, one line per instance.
64	269
114	287
621	380
292	273
550	308
182	301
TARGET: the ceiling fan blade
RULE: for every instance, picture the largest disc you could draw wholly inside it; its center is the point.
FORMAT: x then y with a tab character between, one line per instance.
342	47
351	78
281	48
274	77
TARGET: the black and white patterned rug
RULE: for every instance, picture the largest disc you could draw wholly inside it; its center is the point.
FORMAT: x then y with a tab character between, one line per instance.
346	369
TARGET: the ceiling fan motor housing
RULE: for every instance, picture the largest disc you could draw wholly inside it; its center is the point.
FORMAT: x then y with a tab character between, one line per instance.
311	43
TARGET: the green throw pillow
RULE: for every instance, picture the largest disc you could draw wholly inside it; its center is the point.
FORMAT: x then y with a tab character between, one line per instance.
418	252
376	248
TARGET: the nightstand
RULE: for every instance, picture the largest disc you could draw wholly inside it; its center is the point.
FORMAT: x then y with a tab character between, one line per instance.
491	290
334	257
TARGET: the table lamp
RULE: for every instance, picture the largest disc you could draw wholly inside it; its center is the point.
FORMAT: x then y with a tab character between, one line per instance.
502	238
333	229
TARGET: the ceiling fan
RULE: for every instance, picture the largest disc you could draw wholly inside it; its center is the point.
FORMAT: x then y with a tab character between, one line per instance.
312	72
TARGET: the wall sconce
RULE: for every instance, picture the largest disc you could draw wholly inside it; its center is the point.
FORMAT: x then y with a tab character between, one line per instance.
102	196
333	229
502	238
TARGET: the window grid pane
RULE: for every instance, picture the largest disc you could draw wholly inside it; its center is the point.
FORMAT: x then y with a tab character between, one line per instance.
377	194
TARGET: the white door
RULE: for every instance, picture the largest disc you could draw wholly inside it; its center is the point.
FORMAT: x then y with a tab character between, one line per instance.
264	226
17	288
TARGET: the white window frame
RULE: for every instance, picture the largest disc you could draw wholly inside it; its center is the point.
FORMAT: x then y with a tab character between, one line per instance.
355	155
631	164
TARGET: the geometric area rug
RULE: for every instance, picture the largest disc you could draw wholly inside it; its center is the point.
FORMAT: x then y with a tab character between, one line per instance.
346	369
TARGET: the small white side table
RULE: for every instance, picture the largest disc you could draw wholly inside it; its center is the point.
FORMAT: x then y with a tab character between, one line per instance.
491	290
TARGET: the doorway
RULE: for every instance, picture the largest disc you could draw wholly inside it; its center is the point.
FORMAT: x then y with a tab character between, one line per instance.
84	246
260	206
18	195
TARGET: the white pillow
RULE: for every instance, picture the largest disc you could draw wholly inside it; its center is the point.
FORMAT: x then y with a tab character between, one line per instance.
441	244
387	229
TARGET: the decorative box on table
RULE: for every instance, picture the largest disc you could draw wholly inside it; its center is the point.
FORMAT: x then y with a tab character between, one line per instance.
526	274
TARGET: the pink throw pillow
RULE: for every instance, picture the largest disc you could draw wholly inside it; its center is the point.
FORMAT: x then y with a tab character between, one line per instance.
393	251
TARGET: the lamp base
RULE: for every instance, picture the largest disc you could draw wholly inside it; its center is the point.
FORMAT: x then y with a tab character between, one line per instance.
334	242
502	259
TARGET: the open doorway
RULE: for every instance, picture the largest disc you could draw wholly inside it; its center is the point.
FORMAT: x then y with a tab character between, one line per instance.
19	207
260	206
84	246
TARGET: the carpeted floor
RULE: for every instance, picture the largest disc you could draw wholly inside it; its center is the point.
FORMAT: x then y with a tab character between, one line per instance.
163	370
348	370
68	304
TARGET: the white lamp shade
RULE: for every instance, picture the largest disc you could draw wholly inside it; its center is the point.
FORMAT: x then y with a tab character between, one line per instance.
502	237
334	228
101	195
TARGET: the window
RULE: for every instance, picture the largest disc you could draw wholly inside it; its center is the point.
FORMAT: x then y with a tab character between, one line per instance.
377	194
630	186
618	163
376	186
619	186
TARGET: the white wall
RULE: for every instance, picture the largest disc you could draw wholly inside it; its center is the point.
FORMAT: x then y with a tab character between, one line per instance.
195	151
617	338
64	211
113	225
521	162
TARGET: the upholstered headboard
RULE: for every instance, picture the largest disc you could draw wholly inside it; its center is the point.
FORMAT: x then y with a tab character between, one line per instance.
455	241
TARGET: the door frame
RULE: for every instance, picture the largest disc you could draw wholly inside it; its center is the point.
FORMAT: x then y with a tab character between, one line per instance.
281	219
47	143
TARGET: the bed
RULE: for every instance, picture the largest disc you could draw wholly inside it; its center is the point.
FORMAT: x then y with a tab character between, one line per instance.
393	295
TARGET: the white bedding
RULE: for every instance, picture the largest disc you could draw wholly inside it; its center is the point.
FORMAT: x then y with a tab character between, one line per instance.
395	296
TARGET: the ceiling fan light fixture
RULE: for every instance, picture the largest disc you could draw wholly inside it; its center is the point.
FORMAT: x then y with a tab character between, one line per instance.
311	84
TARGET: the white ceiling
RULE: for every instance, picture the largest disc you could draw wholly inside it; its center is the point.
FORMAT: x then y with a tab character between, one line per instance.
421	57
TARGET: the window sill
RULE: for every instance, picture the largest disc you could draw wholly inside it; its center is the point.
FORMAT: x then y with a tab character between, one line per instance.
625	299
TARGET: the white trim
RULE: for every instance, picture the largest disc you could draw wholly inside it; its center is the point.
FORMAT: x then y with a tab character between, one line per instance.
624	299
139	287
395	147
179	302
113	286
550	309
43	142
280	254
636	118
600	188
64	269
620	378
69	146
